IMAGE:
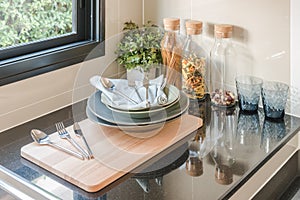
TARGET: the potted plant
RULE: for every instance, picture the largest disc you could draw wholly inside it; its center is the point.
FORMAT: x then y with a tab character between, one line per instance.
139	49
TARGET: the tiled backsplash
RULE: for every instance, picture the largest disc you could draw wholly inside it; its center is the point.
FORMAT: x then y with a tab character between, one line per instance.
264	34
261	29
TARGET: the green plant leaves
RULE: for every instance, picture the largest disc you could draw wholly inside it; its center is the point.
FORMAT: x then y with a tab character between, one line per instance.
140	46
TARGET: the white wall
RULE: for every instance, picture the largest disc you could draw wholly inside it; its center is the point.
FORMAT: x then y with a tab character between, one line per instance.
28	99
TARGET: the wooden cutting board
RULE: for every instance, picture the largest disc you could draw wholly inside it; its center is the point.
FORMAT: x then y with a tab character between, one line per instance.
115	153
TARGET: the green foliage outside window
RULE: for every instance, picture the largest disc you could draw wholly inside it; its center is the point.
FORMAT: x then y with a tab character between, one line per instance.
23	21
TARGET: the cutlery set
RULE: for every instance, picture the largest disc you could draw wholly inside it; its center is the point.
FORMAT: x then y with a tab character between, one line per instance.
119	88
43	139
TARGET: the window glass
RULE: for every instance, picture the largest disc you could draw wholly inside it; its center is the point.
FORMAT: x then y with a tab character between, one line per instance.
24	21
38	36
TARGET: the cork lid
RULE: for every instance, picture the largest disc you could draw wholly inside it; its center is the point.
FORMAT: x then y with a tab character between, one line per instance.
193	27
223	30
172	23
223	175
194	166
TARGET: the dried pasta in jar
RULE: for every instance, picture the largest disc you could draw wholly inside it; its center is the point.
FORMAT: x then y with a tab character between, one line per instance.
194	62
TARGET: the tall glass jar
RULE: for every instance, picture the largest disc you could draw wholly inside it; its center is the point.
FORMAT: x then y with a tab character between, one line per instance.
222	58
223	126
194	62
171	49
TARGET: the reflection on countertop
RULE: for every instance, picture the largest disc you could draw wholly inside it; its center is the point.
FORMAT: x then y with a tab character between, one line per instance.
212	163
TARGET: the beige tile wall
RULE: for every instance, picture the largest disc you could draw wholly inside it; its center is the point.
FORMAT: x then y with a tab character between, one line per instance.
295	51
261	29
266	35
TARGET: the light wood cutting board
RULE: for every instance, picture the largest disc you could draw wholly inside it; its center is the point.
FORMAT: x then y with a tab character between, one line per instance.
115	153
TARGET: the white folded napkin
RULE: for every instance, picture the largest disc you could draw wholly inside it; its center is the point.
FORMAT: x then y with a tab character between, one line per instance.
121	85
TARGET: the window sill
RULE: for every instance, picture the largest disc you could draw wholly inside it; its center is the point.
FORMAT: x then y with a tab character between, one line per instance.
20	68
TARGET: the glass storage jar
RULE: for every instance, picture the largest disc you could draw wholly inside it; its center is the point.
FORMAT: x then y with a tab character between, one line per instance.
223	126
194	62
171	49
222	58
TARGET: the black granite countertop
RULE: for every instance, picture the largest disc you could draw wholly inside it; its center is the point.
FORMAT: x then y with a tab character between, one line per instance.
206	165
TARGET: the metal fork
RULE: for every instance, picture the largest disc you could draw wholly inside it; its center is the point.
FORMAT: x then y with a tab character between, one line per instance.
64	134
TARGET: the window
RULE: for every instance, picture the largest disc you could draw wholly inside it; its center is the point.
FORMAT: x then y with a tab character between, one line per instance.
30	21
70	29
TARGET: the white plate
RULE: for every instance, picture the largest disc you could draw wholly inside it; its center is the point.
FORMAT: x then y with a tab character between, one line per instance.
140	114
100	110
171	91
132	129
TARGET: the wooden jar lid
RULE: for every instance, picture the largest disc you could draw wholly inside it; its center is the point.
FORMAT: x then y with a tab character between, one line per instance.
223	30
194	166
193	27
172	24
223	175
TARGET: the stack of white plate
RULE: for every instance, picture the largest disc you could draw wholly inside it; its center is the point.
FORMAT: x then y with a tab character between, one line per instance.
136	122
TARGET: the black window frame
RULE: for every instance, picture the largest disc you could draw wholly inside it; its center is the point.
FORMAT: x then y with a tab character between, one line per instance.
23	62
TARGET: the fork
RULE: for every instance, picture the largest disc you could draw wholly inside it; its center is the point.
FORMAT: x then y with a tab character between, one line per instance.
64	134
146	85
